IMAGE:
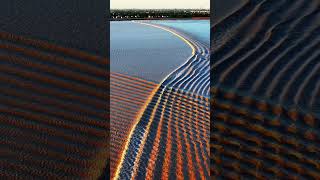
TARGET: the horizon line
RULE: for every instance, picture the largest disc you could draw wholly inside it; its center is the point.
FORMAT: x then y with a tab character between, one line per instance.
160	9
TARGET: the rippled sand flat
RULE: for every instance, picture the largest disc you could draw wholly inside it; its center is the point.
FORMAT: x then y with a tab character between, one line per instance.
223	8
141	56
267	91
128	96
171	136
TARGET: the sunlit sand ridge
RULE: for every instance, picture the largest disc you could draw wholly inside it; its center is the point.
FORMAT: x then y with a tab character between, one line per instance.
128	96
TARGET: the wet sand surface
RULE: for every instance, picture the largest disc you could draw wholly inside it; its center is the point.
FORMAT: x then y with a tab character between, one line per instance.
128	96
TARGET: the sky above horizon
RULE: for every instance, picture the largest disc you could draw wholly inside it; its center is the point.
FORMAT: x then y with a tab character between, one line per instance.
160	4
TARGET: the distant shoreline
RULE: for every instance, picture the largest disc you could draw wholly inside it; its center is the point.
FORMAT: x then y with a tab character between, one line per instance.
189	18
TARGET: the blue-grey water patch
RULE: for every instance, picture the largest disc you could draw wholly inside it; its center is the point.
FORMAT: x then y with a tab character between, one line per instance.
144	51
198	29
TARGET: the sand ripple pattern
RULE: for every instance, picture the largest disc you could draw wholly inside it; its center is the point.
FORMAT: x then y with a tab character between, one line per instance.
266	85
53	111
193	77
127	96
171	138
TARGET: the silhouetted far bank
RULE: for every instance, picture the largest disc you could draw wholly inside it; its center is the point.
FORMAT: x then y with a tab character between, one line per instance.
131	19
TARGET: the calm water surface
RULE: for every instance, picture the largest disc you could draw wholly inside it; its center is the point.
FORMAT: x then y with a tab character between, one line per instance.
152	53
144	51
198	29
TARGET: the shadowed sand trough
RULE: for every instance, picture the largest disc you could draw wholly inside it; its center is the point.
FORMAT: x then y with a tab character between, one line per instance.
52	116
266	89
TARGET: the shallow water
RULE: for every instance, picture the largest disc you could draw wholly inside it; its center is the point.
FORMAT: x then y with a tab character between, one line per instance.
198	29
146	52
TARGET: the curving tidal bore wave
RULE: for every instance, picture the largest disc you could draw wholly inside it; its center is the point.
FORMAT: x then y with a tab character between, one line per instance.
266	89
171	137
